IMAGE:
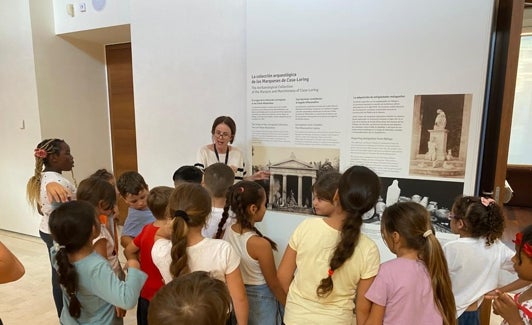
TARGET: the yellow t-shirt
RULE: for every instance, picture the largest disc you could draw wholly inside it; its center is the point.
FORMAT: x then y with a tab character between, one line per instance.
314	242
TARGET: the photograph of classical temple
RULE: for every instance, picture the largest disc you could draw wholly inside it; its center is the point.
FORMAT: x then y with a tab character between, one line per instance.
440	130
292	173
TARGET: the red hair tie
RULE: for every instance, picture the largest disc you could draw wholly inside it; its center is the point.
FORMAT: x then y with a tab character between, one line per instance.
330	272
526	248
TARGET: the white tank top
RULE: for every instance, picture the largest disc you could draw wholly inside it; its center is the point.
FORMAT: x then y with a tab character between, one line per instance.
249	267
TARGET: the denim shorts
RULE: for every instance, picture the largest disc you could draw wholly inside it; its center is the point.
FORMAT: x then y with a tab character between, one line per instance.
264	309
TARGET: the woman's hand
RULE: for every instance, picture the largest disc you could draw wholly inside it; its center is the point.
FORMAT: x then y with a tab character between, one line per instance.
259	176
57	193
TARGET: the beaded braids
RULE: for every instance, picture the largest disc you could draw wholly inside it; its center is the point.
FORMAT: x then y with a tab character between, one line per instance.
482	217
239	198
358	191
189	205
44	149
412	222
71	225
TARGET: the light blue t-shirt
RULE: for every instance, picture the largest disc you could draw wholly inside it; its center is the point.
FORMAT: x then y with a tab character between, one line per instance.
100	290
135	221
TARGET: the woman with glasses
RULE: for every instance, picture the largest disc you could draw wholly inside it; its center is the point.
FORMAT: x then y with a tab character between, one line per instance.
220	150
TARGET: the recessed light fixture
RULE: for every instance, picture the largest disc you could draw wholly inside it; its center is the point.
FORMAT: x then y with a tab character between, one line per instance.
98	5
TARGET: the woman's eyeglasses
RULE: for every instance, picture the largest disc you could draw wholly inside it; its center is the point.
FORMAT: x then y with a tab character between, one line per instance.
222	134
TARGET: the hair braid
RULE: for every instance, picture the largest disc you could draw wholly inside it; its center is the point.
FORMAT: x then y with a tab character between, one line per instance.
348	240
33	187
225	214
179	264
68	278
358	190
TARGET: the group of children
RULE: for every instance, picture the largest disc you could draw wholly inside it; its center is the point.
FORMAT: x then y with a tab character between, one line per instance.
194	253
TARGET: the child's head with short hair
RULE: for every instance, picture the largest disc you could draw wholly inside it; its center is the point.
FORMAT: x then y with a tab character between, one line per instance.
477	217
133	189
323	191
218	178
73	226
187	174
158	200
189	205
194	298
100	193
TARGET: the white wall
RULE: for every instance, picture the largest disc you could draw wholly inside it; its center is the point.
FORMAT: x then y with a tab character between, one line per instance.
113	13
59	89
188	68
18	103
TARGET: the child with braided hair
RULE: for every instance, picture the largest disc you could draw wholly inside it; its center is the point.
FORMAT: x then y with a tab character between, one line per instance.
52	157
415	287
188	251
476	258
335	262
247	200
91	288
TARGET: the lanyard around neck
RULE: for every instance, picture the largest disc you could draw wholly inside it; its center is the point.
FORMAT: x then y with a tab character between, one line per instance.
218	157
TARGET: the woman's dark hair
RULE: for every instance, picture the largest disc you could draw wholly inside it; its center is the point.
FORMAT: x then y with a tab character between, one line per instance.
526	239
98	192
239	197
71	225
194	298
189	205
412	222
358	191
227	121
326	185
480	220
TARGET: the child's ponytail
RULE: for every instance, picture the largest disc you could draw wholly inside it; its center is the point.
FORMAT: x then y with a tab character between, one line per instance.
179	264
190	205
358	191
72	226
412	222
68	278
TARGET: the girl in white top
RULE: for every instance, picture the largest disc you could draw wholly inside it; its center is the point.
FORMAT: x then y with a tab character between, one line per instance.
188	251
52	158
248	202
476	258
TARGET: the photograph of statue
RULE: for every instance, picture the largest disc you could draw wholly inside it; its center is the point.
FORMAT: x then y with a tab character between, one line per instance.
292	173
440	130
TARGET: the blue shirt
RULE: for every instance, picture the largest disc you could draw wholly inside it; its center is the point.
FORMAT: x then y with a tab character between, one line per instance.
100	290
135	221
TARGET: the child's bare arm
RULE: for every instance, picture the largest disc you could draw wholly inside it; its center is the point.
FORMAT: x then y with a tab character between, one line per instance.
10	267
261	250
125	240
513	286
238	295
287	268
362	304
131	251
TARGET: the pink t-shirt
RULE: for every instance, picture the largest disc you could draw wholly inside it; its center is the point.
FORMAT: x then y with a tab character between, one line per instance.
403	286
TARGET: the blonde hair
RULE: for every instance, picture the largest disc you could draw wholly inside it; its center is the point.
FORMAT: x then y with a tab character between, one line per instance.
44	149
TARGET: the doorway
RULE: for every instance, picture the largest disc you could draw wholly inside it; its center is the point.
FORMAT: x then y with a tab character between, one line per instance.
121	113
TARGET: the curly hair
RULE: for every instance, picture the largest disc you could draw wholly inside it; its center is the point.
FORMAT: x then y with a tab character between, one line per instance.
480	220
